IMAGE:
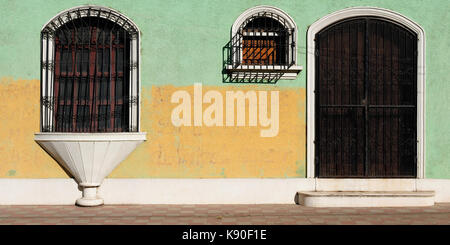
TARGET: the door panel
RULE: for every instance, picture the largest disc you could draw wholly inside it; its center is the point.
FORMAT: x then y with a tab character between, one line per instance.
366	99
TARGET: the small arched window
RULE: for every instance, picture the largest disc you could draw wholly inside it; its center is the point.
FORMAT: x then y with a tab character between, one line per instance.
265	41
262	48
89	72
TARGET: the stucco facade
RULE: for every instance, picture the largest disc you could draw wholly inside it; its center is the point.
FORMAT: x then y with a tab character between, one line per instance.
180	45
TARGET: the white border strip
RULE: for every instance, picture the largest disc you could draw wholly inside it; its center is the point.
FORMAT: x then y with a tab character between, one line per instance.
365	11
203	191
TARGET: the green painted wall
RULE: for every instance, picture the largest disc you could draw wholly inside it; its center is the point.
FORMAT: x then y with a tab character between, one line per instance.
182	44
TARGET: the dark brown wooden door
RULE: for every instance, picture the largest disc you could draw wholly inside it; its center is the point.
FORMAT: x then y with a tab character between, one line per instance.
366	97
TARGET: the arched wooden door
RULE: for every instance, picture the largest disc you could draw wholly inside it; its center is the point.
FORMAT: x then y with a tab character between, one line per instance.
366	100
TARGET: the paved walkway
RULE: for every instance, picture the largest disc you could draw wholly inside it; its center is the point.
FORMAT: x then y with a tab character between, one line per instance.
273	214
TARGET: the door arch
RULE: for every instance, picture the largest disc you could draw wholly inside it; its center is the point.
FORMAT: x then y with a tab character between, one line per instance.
353	54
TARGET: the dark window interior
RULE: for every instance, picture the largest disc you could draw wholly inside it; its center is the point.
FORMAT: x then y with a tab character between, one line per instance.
91	76
265	42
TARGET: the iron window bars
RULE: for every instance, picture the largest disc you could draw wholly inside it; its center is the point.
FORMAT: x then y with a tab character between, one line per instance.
260	51
89	72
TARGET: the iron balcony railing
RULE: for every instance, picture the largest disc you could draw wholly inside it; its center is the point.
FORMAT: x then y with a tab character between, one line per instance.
261	50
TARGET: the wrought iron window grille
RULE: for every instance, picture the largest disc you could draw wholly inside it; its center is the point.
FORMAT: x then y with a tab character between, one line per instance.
89	72
261	51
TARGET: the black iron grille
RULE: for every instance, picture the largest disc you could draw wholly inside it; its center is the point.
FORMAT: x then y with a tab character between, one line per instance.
259	51
91	78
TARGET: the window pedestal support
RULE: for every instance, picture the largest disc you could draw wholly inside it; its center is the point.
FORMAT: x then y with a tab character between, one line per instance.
89	157
90	197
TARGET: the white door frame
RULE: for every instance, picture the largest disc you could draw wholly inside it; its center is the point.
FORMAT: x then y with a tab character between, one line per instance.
354	12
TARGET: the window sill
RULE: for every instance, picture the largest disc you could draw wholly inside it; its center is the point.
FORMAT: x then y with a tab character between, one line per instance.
92	137
288	73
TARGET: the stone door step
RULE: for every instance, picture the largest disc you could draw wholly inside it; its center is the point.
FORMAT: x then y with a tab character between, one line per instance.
365	198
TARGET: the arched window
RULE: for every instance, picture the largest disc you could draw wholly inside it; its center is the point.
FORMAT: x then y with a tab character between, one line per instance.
265	41
262	47
89	72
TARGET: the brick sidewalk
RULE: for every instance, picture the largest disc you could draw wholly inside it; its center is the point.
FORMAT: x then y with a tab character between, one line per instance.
273	214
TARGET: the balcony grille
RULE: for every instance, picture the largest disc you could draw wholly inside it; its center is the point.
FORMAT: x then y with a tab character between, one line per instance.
260	51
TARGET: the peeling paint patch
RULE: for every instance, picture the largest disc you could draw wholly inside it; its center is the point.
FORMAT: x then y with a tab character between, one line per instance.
300	168
222	173
11	172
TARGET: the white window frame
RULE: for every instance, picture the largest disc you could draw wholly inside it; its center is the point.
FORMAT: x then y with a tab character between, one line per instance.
355	12
48	53
292	71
